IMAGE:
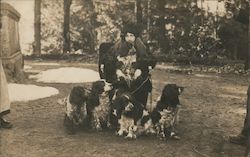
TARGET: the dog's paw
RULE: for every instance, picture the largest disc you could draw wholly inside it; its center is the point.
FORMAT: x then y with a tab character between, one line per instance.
130	136
119	133
174	136
151	131
162	136
98	128
109	125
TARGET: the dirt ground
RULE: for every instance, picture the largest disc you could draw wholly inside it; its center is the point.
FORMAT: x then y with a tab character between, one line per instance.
212	109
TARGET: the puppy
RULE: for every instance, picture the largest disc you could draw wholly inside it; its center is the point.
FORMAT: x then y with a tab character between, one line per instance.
75	105
129	112
164	115
98	105
127	68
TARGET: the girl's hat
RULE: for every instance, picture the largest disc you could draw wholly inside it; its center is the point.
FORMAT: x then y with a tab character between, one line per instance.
131	28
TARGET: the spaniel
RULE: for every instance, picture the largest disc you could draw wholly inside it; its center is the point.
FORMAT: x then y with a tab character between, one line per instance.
75	105
98	105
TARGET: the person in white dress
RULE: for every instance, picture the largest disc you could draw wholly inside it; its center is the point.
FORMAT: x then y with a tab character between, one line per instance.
4	99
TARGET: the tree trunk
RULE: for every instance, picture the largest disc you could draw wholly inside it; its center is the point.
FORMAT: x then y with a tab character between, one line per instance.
162	30
248	39
37	27
202	15
66	28
0	20
0	28
148	19
138	12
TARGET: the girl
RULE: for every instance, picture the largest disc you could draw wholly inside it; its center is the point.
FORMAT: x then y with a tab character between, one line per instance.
134	63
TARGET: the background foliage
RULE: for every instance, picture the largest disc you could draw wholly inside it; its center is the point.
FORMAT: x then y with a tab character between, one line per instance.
178	30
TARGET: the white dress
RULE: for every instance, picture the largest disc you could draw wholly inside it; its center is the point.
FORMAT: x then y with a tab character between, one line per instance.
4	93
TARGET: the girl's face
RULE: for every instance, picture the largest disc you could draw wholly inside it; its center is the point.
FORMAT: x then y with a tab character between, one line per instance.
130	38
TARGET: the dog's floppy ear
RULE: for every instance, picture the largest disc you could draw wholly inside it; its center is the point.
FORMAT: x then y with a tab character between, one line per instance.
77	95
98	87
170	90
118	106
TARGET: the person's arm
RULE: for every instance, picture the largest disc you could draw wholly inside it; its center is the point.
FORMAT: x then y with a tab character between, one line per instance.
118	49
104	55
140	48
146	62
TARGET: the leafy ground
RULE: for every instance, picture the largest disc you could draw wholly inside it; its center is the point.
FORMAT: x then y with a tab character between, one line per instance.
213	108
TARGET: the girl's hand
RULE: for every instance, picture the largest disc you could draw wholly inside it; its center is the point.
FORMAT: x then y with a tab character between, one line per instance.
150	70
102	68
138	73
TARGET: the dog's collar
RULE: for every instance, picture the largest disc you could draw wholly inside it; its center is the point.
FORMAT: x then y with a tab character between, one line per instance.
104	94
126	96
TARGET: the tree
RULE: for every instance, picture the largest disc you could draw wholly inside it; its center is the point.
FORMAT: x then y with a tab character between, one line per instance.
138	12
37	28
161	23
248	47
66	26
243	17
0	20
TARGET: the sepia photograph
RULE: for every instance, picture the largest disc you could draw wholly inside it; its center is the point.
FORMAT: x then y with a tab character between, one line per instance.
124	78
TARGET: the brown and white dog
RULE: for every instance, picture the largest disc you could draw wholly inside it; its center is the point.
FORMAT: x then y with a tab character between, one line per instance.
75	109
165	114
98	105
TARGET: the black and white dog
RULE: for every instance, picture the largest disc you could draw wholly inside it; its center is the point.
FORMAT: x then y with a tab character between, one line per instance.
98	105
132	117
75	105
165	114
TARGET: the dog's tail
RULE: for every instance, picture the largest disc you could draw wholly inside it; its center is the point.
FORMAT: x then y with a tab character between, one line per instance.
61	101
